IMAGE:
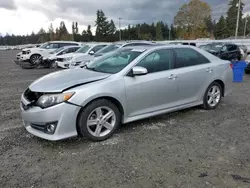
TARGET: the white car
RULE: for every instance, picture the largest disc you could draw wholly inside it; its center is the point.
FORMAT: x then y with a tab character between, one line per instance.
67	60
32	54
108	49
51	58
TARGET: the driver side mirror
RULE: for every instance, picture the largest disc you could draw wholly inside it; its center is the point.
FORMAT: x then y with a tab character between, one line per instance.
91	53
138	71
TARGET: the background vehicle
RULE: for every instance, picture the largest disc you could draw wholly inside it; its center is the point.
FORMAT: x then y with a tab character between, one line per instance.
110	48
225	51
51	58
32	54
64	61
122	87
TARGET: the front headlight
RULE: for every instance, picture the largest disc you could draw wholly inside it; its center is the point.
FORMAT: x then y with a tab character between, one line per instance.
67	59
48	100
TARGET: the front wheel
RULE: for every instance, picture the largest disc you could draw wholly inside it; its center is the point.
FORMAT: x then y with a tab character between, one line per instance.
53	64
99	120
212	96
34	59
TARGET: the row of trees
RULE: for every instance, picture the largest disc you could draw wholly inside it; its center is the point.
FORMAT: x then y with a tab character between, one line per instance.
192	21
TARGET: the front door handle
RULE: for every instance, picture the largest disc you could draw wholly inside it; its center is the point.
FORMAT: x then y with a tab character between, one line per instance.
209	70
172	77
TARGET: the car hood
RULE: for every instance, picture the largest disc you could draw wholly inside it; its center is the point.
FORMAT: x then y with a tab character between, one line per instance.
70	55
63	80
82	57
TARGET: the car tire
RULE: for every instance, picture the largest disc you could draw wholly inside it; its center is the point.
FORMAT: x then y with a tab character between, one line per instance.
33	58
93	124
53	65
247	71
212	96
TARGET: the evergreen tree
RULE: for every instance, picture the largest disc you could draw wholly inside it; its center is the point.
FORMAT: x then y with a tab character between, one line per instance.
159	35
102	26
221	29
209	25
51	32
63	32
172	33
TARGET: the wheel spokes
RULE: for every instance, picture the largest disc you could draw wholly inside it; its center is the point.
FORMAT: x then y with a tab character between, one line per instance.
98	113
101	121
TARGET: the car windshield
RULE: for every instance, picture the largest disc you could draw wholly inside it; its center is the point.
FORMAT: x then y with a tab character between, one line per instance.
114	62
57	50
107	49
44	45
83	49
213	47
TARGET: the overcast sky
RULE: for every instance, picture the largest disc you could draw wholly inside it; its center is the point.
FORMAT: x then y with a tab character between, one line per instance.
25	16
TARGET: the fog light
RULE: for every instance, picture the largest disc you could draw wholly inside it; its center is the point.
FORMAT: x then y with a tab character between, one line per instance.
50	128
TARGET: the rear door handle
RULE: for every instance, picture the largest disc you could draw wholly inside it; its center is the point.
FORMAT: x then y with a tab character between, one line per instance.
172	77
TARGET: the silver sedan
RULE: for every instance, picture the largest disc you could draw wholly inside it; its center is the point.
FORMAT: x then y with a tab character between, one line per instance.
122	87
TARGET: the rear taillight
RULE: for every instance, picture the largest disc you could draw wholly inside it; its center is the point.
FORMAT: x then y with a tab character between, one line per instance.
231	65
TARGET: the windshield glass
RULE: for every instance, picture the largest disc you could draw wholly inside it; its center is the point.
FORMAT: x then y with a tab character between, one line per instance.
114	62
44	45
57	50
107	49
83	49
213	47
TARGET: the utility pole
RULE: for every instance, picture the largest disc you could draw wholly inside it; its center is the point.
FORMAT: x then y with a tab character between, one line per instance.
238	17
169	33
120	32
245	29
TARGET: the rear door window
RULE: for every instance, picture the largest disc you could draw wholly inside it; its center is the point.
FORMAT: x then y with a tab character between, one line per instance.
186	57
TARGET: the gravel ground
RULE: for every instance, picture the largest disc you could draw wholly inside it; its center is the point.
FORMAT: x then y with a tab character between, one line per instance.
192	148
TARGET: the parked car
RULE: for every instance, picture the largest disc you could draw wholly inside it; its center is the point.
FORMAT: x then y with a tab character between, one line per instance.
64	61
247	69
18	55
33	54
51	58
109	48
122	87
225	51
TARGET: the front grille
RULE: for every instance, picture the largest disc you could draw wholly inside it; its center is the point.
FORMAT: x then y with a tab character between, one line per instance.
32	96
38	127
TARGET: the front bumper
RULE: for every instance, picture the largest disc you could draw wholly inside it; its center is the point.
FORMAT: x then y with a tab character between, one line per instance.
63	64
64	114
24	57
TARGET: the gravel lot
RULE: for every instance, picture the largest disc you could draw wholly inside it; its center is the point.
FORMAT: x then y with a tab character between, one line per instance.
192	148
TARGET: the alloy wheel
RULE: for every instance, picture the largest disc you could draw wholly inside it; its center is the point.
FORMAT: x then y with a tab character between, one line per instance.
101	121
214	96
35	59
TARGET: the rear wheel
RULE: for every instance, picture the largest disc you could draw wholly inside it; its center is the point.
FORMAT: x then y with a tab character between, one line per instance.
99	120
212	96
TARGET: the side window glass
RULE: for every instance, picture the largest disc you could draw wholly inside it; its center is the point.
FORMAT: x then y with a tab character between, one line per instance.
96	48
232	48
188	57
157	61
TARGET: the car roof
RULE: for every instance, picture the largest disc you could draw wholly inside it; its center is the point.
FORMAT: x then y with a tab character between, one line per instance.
134	41
73	46
73	42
